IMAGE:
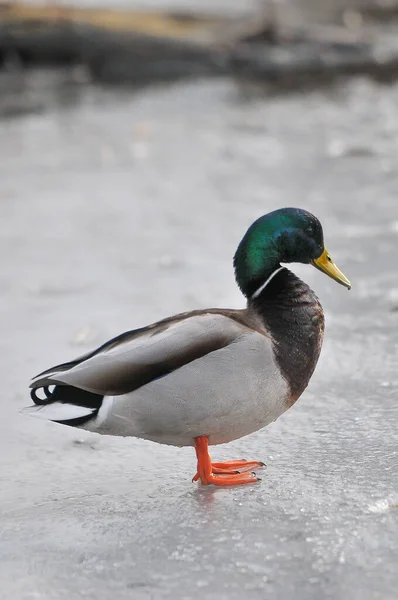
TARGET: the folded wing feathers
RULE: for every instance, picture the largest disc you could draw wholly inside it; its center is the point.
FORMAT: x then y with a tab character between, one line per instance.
137	357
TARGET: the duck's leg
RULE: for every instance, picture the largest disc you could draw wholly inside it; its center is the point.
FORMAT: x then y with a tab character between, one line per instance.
221	473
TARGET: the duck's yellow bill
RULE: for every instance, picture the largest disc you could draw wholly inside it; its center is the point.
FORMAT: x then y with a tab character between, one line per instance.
325	264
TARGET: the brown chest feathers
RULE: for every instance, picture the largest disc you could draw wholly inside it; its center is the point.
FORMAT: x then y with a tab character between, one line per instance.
294	317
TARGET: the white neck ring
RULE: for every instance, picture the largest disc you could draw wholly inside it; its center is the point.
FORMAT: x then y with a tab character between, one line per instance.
264	285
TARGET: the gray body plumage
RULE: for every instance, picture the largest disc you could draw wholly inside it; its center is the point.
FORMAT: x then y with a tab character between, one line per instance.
207	373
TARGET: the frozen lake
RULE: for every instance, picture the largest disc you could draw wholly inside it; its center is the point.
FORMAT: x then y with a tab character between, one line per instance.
120	208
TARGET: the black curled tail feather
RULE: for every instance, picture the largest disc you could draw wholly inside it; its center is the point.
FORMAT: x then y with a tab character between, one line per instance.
66	394
41	401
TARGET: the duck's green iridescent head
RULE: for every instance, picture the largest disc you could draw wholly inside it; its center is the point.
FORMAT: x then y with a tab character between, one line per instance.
283	236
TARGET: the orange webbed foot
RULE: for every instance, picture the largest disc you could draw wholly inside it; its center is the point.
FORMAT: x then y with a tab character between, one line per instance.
233	472
238	465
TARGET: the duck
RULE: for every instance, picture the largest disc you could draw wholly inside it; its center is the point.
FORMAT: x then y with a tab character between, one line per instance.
209	376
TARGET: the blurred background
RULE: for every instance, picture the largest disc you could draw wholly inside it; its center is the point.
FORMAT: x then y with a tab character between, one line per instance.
138	141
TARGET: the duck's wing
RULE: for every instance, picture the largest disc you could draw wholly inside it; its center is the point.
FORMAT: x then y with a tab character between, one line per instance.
135	358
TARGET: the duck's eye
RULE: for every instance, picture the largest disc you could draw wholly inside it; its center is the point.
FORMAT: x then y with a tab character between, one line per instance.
310	230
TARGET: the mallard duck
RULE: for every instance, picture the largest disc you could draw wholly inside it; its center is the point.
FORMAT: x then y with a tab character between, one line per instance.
210	376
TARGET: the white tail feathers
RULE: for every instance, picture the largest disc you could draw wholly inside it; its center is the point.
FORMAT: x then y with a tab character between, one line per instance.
58	411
